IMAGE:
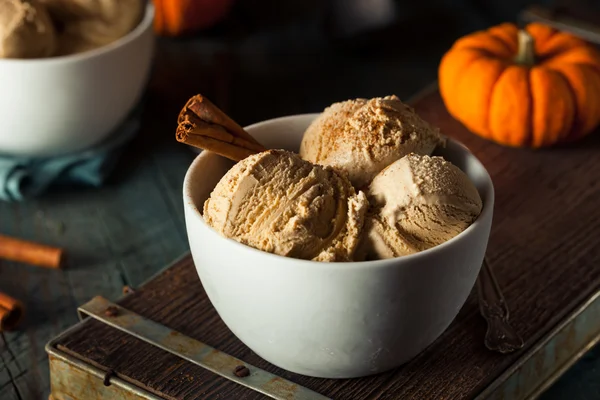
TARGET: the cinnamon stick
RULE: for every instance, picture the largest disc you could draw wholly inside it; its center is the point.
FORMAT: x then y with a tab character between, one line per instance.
30	253
231	151
207	111
11	312
193	125
203	125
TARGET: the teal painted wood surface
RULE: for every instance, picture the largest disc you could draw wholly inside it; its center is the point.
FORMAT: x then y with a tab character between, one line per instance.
115	236
126	231
582	381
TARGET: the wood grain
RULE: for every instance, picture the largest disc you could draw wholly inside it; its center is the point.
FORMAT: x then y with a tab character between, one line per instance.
544	249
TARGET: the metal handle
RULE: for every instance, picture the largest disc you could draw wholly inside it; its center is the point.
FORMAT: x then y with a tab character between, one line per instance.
195	351
500	335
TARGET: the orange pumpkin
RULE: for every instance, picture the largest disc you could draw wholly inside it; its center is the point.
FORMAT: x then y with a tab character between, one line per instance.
526	88
179	17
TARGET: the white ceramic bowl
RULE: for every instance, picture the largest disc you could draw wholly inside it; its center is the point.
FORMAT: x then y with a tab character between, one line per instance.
58	105
333	320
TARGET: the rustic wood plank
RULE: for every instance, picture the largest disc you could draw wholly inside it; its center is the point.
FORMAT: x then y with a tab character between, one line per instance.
33	383
542	248
9	393
5	375
45	293
9	370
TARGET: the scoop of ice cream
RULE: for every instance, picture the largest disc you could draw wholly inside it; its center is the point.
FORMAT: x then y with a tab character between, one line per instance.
88	24
26	30
276	202
362	137
418	202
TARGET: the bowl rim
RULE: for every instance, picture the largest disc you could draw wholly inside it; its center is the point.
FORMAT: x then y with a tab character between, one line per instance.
486	212
146	22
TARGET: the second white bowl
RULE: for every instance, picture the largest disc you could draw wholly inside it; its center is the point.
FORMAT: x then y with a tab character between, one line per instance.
59	105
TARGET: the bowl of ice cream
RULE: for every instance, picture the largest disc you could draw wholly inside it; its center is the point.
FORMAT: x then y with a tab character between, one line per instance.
67	88
384	298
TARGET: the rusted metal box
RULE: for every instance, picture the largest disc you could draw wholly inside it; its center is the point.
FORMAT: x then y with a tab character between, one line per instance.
166	341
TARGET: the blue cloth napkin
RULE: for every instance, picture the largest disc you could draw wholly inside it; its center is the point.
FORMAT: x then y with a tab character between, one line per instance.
22	178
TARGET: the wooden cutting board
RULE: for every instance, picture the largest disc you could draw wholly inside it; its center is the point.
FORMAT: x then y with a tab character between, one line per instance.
545	251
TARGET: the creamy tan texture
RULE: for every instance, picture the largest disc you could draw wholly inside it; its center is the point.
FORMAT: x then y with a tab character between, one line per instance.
26	30
361	137
418	202
276	202
88	24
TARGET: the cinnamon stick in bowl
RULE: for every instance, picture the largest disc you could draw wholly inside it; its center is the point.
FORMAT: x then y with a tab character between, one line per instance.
204	125
11	312
30	253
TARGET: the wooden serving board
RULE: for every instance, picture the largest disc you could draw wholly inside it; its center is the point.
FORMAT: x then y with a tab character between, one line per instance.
545	251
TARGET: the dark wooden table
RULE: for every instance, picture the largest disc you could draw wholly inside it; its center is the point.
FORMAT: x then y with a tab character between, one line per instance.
123	233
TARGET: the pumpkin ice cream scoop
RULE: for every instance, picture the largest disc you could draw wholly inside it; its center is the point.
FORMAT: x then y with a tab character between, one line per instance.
361	137
276	202
26	30
418	202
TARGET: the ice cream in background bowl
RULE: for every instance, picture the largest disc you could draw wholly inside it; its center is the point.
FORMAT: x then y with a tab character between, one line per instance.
326	319
26	30
48	28
89	24
67	86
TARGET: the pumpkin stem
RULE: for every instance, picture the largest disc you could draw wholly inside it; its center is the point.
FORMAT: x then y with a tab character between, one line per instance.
526	52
